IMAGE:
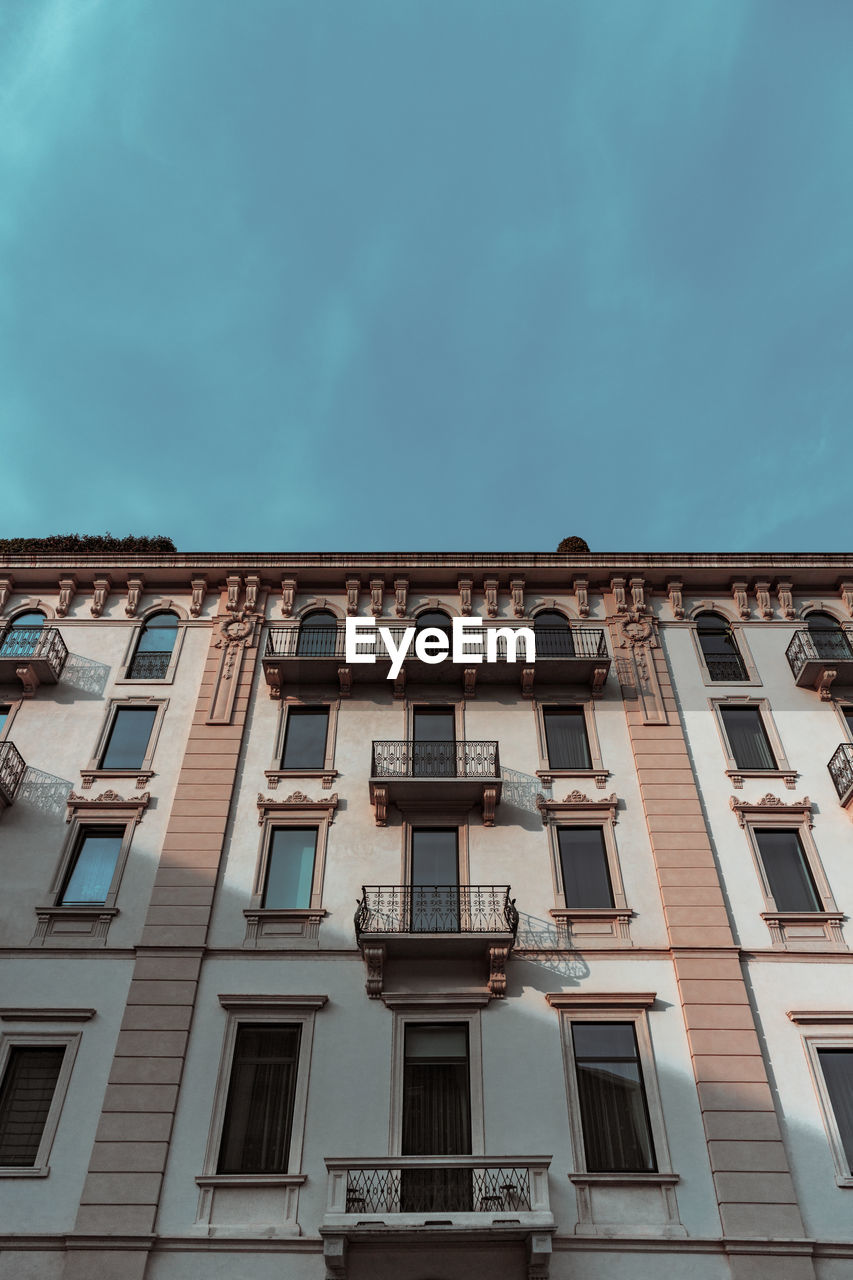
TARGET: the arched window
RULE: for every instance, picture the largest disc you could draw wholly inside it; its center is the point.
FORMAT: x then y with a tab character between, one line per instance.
433	618
318	634
154	650
719	648
553	635
23	634
827	636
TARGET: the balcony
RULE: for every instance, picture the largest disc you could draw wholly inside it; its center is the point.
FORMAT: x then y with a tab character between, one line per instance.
443	1203
841	771
443	776
33	655
436	922
817	658
294	654
12	768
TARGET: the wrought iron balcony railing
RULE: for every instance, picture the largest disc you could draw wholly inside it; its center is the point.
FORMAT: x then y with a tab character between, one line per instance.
12	768
727	667
432	759
43	645
817	646
435	908
430	1186
152	665
841	770
329	642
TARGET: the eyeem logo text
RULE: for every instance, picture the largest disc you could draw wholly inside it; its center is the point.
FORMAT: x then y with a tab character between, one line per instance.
432	644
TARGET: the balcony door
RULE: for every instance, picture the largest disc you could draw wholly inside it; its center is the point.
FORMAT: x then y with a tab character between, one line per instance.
434	880
436	1117
23	635
434	742
828	638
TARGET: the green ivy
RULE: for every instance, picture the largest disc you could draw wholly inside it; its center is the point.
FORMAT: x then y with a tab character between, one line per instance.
63	544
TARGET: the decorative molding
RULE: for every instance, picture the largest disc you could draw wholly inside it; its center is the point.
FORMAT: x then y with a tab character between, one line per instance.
380	803
352	587
784	594
465	586
676	603
6	586
232	586
751	809
793	930
53	1014
401	595
741	599
277	1001
736	776
762	599
580	1001
100	592
77	805
516	587
580	586
498	957
827	1017
636	633
824	682
142	778
374	960
377	596
253	584
593	926
638	595
438	999
469	682
345	681
73	925
288	594
617	587
134	594
236	634
845	591
199	589
490	800
490	593
67	588
576	802
296	802
275	776
599	679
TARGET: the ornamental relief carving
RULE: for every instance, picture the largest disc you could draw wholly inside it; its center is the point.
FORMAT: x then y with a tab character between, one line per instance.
786	599
490	592
516	588
762	599
134	594
581	590
67	588
6	585
353	589
741	599
466	586
676	603
377	596
100	591
199	588
401	594
288	594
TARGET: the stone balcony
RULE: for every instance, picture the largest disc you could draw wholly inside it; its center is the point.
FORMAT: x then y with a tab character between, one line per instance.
446	777
33	655
12	768
820	658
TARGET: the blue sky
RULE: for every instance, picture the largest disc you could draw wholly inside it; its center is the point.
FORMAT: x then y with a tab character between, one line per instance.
428	274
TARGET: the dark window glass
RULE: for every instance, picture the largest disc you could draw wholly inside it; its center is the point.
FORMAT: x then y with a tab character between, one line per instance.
848	716
434	892
129	737
434	746
722	657
433	618
553	635
4	716
583	859
290	868
261	1093
827	636
837	1067
436	1116
318	633
23	635
305	738
94	865
787	871
154	651
29	1083
748	740
565	735
614	1115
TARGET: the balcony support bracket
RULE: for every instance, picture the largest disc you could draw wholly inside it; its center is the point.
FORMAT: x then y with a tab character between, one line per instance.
825	679
380	803
335	1256
374	959
29	679
538	1255
490	799
498	957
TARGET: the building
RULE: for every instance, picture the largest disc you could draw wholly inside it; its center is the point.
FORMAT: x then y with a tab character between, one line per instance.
507	969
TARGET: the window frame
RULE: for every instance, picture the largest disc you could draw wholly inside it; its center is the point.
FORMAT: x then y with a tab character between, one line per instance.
413	823
328	772
587	926
738	631
14	705
161	606
145	772
782	768
431	1009
289	926
70	1042
545	772
830	1030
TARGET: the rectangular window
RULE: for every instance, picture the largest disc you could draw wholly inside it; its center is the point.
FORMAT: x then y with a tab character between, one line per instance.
259	1109
583	862
290	868
26	1094
434	905
848	716
434	745
747	737
93	865
305	737
787	871
436	1116
4	716
127	744
613	1108
566	737
837	1068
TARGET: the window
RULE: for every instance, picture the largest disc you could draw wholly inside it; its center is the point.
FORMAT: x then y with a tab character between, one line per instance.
719	649
436	1116
434	880
436	618
152	659
566	738
612	1098
434	742
836	1065
258	1125
788	874
747	738
93	865
26	1095
848	716
829	639
584	867
127	743
22	635
305	736
290	868
318	634
553	635
4	716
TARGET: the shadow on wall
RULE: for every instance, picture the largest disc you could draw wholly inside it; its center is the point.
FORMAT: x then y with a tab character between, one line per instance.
83	676
519	792
43	791
540	935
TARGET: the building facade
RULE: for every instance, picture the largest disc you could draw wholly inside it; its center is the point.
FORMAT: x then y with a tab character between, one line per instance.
324	967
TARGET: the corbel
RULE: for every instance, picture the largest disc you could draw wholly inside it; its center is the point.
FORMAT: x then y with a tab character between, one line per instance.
676	603
100	591
469	682
490	591
740	598
6	585
786	600
134	594
199	588
466	586
353	588
638	595
580	587
516	588
762	599
253	584
617	587
377	596
67	588
845	591
401	593
232	586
